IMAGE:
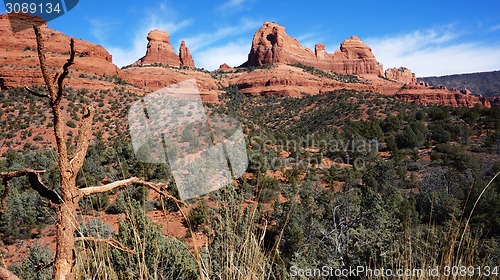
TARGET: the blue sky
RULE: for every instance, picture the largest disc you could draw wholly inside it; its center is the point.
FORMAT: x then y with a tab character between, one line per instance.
430	37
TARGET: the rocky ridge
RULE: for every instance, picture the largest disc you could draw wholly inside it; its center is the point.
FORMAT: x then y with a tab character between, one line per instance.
19	59
279	66
272	45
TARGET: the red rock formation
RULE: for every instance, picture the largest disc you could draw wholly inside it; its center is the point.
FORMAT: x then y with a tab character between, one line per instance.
159	50
402	75
19	66
185	56
272	45
225	67
439	97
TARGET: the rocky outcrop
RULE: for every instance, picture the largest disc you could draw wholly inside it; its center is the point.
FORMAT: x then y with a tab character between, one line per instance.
19	59
439	97
159	50
402	75
225	67
185	56
271	45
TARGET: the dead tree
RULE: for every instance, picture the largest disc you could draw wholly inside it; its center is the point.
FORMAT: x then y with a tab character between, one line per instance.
65	202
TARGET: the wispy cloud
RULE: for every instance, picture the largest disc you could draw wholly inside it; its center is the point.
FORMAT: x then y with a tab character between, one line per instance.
308	40
495	28
233	53
435	52
203	40
100	28
231	4
123	56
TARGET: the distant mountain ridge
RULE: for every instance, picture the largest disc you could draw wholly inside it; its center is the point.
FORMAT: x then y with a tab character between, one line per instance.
482	83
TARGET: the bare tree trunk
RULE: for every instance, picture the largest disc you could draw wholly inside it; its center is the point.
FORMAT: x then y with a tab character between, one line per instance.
66	224
66	202
66	211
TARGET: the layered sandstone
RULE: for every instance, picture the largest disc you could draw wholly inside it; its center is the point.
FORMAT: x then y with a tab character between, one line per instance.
159	50
428	96
271	45
19	59
154	78
185	56
225	67
402	75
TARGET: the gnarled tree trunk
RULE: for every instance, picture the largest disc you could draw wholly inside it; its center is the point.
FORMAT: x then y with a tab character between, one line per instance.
66	201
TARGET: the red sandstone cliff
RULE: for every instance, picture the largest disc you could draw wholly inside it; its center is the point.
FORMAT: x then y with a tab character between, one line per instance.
185	56
272	45
93	66
401	74
19	64
159	50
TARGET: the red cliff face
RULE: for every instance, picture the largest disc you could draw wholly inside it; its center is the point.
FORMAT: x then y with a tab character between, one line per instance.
439	97
225	67
19	59
272	45
402	75
185	56
159	50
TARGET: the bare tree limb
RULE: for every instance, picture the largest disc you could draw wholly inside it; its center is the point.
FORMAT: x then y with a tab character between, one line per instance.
110	241
84	135
55	98
44	95
7	275
160	188
65	70
35	182
43	62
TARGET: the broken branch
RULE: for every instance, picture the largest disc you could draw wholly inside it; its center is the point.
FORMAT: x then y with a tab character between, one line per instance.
157	187
43	62
110	241
65	69
44	95
35	182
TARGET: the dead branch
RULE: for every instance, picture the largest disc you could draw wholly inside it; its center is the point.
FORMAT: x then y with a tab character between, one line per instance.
7	275
43	62
35	182
160	188
84	135
65	69
110	241
44	95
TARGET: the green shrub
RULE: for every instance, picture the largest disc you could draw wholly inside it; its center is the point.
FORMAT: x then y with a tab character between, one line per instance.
37	265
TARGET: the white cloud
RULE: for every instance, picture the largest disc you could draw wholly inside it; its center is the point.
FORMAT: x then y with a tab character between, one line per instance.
100	28
308	40
123	56
233	53
231	4
435	52
200	41
495	28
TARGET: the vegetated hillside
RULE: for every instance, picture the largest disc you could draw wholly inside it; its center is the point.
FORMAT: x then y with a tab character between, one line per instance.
340	179
27	124
484	83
